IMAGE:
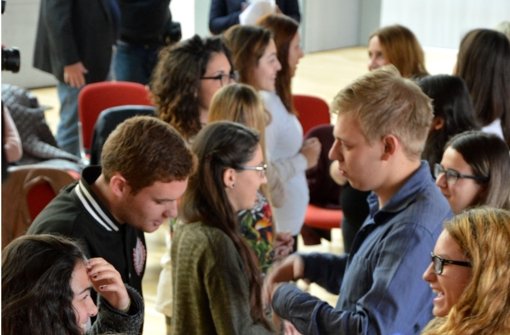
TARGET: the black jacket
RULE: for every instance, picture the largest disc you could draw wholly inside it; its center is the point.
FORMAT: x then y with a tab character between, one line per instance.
70	31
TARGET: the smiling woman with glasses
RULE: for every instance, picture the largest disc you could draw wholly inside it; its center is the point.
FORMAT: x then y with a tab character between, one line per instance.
470	274
475	171
185	79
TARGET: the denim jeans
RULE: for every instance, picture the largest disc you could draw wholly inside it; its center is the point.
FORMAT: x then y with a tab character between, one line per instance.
67	131
135	62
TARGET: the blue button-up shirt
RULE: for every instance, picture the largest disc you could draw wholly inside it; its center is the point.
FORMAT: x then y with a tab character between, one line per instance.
380	284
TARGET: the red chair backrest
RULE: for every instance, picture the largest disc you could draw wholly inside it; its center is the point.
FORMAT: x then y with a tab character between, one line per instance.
96	97
38	196
313	111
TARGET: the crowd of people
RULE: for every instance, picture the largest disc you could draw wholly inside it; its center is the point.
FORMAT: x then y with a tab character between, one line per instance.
423	161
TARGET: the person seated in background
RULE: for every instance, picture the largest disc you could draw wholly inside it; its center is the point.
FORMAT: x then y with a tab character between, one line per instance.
397	45
241	103
224	14
483	61
475	171
453	113
470	275
216	278
46	285
145	169
383	121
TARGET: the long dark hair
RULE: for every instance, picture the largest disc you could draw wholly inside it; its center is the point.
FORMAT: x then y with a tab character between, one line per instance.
36	285
483	62
219	146
452	103
176	81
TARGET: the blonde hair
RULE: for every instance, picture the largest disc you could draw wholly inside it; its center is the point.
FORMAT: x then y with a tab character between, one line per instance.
239	103
483	234
386	103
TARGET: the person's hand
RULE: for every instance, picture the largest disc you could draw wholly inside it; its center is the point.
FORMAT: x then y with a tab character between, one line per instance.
74	75
283	244
289	329
291	268
107	282
311	149
335	174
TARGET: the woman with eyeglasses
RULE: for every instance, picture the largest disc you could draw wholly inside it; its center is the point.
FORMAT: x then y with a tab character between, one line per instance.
470	274
185	79
259	61
475	171
241	103
216	279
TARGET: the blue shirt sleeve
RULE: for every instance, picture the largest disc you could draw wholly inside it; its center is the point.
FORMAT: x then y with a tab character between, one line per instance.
383	292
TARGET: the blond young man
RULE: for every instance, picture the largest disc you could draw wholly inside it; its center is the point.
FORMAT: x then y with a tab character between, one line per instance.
383	121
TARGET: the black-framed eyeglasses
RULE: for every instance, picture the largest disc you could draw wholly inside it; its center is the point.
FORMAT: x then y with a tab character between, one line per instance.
224	78
439	263
453	175
262	169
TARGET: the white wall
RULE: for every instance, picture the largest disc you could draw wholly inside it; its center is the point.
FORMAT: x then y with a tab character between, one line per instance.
442	23
329	24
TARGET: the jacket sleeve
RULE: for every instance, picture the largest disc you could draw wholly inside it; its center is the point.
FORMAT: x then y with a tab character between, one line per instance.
111	320
59	25
221	18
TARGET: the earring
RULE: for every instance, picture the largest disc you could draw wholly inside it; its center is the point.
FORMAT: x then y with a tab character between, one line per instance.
233	185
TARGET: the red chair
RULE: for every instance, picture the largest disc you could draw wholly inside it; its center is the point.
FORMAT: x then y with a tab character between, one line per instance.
96	97
323	212
26	191
313	111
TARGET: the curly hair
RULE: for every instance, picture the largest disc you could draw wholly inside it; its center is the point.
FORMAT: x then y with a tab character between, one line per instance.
36	285
483	234
176	81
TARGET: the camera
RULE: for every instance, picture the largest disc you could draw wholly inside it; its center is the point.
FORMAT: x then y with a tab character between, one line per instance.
10	56
10	59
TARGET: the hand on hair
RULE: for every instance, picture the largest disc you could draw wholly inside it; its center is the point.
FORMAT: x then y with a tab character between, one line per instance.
107	282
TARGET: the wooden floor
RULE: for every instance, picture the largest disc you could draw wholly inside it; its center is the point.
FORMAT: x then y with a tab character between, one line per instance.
322	74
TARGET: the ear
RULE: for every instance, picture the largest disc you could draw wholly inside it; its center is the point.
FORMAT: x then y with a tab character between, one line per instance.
391	144
118	185
229	178
437	123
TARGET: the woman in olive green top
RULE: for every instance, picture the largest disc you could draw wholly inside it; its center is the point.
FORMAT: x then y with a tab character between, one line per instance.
216	279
